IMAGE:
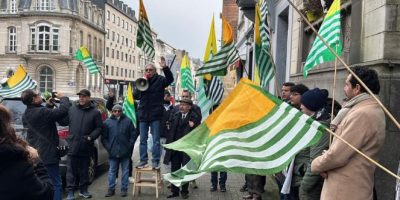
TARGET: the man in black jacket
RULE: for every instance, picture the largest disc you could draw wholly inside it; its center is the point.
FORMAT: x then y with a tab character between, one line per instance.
42	132
182	123
151	111
84	127
118	137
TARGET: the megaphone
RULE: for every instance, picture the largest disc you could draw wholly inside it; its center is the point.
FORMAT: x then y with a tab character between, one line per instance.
142	84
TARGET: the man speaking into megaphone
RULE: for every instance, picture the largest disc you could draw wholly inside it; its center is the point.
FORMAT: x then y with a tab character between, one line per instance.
150	111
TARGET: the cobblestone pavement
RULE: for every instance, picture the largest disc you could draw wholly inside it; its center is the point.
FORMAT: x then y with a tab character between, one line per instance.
233	185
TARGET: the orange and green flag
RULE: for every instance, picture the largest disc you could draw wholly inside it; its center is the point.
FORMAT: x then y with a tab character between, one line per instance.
251	132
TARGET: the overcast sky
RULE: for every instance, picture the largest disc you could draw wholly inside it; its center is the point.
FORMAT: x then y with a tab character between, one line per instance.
184	24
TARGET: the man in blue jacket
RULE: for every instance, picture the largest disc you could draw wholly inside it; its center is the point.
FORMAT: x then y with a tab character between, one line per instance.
118	137
151	109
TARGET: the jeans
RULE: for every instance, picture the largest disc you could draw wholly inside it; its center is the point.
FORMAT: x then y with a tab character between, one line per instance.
114	163
155	131
222	179
54	174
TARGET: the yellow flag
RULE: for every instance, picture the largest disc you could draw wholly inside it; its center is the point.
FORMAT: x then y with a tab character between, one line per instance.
211	47
17	78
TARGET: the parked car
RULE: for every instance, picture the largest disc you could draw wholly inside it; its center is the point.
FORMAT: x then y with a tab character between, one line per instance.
100	155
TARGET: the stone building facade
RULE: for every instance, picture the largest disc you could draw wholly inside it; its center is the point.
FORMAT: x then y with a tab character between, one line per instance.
43	35
121	53
371	37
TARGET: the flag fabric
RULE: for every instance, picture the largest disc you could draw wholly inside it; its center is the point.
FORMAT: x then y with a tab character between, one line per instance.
83	54
129	105
215	90
204	102
251	132
211	47
264	63
186	75
17	83
330	32
144	37
227	55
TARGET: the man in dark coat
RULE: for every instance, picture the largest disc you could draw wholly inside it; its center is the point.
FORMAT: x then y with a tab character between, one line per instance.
84	127
118	137
151	111
42	132
182	123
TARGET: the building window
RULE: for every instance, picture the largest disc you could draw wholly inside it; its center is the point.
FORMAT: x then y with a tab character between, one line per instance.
43	5
126	57
108	33
126	73
13	6
112	53
122	56
46	79
123	23
100	53
122	72
117	37
122	39
89	43
117	54
117	71
106	69
112	70
94	51
12	39
126	25
81	38
113	36
119	22
44	38
108	15
113	18
126	41
107	51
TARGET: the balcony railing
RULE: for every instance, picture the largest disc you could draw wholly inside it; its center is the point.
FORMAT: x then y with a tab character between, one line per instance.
8	11
44	8
44	49
11	49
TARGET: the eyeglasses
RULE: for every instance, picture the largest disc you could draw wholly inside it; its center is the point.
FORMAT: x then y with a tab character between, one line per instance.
117	111
185	96
148	70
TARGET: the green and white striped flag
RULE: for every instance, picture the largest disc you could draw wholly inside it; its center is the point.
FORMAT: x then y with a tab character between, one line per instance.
227	55
330	32
186	75
83	54
144	39
17	83
262	140
204	103
129	105
265	65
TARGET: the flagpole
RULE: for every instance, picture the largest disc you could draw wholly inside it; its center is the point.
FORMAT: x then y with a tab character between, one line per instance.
362	154
333	93
346	66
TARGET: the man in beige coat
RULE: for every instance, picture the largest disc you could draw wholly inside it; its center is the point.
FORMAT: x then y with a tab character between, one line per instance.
361	122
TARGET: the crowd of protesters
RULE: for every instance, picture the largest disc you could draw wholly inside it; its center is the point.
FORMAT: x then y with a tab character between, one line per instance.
330	169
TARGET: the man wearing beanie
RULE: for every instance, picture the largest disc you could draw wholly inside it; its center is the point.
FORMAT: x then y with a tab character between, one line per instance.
313	104
361	122
118	138
295	95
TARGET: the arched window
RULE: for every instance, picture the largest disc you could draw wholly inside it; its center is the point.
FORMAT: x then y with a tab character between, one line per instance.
46	79
12	39
44	38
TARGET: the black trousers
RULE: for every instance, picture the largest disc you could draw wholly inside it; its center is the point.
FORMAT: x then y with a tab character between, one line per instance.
255	183
222	178
77	173
178	160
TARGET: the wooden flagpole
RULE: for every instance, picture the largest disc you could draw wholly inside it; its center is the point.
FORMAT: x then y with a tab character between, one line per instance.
333	94
362	154
346	66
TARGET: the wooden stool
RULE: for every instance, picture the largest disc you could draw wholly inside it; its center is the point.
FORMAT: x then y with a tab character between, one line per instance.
154	181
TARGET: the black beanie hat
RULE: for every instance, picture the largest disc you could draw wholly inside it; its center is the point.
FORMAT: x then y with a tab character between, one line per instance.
314	99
